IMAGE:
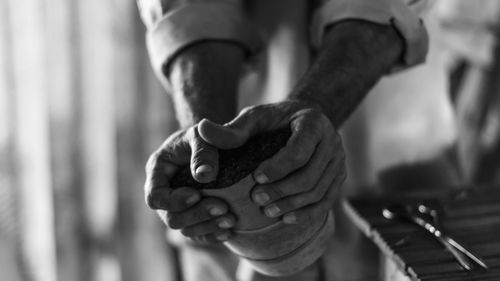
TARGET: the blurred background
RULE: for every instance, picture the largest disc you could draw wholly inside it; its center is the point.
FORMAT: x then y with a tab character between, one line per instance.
80	111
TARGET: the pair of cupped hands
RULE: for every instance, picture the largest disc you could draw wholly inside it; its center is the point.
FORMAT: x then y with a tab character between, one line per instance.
298	183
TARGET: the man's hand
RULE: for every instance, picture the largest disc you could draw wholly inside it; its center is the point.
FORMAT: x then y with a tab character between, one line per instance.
304	176
201	219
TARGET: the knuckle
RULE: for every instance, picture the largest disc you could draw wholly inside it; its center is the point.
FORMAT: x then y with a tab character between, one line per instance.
201	147
299	158
298	201
252	111
312	114
245	113
204	155
249	110
197	143
313	118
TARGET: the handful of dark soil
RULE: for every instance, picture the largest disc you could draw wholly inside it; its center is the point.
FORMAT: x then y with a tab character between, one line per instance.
237	163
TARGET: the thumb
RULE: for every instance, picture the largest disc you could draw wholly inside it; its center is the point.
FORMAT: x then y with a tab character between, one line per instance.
222	136
235	133
204	160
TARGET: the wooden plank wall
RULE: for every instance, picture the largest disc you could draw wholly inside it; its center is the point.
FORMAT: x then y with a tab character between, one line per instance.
80	110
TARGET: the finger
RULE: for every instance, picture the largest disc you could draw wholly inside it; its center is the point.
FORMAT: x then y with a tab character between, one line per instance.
157	188
207	209
210	227
213	238
307	131
161	166
204	158
300	181
220	136
249	122
295	202
175	200
318	209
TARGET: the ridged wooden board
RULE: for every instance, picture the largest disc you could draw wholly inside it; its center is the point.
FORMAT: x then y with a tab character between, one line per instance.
470	216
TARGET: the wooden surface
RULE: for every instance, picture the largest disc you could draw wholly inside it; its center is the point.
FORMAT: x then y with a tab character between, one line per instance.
472	217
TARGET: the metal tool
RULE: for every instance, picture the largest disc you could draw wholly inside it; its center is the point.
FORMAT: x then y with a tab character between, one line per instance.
408	213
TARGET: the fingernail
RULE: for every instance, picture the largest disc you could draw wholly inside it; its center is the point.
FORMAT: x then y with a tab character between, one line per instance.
222	236
261	178
290	218
225	224
261	198
192	199
216	212
272	211
203	169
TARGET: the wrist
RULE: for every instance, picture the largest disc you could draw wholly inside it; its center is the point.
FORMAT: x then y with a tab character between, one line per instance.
376	47
308	102
354	56
203	81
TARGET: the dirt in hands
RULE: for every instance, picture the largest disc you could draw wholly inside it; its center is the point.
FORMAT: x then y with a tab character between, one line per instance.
237	163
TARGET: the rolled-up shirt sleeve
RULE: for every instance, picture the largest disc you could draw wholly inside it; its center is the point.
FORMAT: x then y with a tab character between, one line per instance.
402	14
174	25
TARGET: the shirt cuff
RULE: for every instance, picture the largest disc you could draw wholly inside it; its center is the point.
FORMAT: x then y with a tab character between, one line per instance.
198	22
388	12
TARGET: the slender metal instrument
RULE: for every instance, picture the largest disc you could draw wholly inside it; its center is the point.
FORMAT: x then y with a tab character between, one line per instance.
461	254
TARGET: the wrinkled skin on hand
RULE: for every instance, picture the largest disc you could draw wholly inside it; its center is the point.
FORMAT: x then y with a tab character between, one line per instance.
300	181
202	219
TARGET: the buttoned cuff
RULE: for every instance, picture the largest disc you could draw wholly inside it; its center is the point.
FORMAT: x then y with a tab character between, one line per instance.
198	22
389	12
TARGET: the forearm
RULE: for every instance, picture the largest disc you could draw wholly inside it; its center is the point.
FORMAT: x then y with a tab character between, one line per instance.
355	54
203	80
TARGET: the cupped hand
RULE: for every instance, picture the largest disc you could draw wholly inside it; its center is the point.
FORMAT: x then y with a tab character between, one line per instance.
205	219
304	177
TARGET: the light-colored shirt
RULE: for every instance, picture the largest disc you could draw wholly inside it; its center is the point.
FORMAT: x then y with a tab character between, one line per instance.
282	37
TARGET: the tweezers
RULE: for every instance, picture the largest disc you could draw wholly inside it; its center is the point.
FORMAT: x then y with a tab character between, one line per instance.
460	253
